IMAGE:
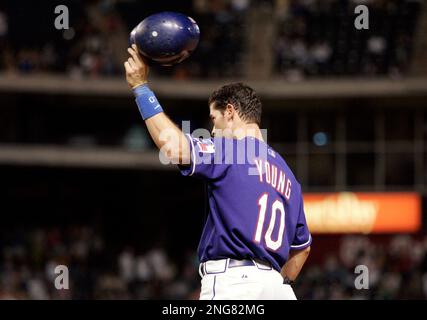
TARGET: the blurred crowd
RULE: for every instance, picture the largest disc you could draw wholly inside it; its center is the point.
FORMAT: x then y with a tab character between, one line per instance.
29	257
397	270
97	270
319	38
313	37
95	44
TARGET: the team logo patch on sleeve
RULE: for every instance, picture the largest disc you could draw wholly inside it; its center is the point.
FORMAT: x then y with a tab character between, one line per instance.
206	146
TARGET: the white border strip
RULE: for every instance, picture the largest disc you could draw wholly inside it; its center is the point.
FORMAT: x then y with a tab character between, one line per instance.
193	155
302	245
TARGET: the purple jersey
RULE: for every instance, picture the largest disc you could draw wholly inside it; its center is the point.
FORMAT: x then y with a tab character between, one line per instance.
255	203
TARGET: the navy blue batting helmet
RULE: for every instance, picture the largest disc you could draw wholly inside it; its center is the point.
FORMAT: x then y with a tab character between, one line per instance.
166	38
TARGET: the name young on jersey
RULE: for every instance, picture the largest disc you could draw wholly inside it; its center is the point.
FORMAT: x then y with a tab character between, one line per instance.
271	175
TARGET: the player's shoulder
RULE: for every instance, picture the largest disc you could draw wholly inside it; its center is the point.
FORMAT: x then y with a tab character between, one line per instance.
279	160
216	142
202	145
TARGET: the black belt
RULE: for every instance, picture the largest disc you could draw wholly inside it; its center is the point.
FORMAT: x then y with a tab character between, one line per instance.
234	263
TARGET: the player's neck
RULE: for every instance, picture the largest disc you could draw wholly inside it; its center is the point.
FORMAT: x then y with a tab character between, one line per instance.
248	130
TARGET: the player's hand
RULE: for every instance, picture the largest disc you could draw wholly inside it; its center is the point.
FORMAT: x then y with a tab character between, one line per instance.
136	68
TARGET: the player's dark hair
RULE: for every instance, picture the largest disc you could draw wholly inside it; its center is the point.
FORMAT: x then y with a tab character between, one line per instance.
242	97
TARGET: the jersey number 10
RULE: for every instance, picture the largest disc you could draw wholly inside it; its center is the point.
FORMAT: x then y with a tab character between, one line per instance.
276	207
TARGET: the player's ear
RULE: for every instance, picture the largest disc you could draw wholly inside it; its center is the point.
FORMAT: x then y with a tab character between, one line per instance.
229	111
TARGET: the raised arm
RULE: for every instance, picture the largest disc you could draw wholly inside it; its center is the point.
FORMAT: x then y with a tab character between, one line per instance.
165	134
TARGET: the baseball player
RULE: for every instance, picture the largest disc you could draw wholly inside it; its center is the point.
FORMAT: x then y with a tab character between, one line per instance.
255	240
